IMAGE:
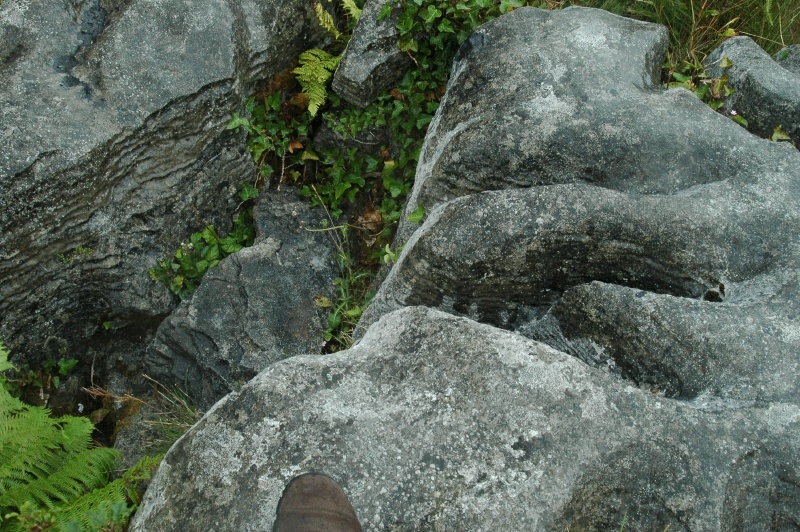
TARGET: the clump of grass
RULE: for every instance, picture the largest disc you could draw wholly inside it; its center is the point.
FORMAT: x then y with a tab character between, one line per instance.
171	412
696	27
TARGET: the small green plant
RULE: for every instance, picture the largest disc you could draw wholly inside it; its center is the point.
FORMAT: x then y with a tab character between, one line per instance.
51	475
278	129
171	412
352	291
316	65
343	177
69	258
711	91
41	382
182	273
315	71
779	135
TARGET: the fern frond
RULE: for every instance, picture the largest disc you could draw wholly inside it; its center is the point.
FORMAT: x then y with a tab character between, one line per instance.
326	20
315	70
46	464
353	11
79	474
79	510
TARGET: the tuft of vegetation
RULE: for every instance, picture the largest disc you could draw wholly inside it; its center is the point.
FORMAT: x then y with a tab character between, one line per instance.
52	477
36	383
182	273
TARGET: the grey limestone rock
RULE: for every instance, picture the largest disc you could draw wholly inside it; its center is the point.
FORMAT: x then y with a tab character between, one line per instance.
650	241
789	58
372	60
255	308
435	422
678	261
115	150
766	94
542	97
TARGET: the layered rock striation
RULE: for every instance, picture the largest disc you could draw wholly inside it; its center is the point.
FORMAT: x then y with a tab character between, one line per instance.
115	149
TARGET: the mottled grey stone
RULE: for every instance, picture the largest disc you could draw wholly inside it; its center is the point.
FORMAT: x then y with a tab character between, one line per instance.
765	94
255	308
679	260
372	60
541	97
115	150
789	58
744	348
435	422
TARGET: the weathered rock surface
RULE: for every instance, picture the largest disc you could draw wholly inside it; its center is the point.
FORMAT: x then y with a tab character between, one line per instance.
582	99
255	308
435	422
708	255
372	60
115	149
789	58
570	198
767	93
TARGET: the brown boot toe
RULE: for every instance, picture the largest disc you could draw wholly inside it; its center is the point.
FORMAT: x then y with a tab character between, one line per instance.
315	503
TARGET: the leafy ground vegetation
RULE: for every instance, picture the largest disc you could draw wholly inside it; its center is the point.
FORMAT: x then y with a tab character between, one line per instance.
53	477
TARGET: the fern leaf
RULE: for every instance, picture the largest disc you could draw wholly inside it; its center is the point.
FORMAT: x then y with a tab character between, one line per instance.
353	11
326	20
79	510
315	70
46	463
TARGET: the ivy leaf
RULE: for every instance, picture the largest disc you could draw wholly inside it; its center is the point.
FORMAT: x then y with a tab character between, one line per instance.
445	26
779	134
421	122
385	11
340	189
417	215
409	45
430	14
237	122
248	192
309	155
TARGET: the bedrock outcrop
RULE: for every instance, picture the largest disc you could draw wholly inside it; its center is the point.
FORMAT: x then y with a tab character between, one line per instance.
115	150
255	308
437	422
766	92
642	250
699	223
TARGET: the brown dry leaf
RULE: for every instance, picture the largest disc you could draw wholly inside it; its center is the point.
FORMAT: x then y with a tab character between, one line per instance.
299	100
371	220
396	94
295	145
